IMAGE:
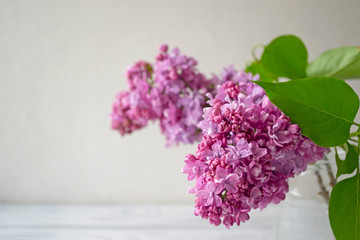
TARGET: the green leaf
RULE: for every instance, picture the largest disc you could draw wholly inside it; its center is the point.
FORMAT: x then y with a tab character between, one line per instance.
351	161
257	68
323	107
343	62
344	209
285	56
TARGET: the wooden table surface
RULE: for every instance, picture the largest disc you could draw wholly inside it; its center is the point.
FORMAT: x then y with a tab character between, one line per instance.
130	222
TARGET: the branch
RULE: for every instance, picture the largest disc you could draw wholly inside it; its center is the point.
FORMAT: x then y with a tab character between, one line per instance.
323	192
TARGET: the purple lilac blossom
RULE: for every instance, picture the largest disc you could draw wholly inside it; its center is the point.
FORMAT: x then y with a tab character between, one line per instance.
173	91
179	90
132	109
248	151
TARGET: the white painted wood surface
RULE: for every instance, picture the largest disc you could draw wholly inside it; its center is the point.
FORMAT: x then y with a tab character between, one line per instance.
130	222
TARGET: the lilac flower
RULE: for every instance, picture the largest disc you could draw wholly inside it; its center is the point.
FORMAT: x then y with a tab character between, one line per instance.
235	153
129	114
248	151
257	151
209	196
173	92
193	167
180	92
132	109
227	181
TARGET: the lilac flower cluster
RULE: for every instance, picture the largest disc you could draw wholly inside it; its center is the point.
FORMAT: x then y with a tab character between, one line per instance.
248	151
173	91
179	93
133	109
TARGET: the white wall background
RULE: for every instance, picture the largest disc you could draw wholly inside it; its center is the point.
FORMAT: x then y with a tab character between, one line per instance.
62	62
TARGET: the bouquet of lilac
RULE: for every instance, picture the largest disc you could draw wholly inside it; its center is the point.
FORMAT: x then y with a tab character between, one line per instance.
255	131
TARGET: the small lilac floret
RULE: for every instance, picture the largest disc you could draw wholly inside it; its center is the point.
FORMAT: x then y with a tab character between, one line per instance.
209	196
228	181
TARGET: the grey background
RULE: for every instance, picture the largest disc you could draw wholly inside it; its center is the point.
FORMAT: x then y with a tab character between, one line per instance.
62	62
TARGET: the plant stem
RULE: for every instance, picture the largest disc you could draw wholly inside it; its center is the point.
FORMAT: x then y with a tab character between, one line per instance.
330	172
353	134
323	192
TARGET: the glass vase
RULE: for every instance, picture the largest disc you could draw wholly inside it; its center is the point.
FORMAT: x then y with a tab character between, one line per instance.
304	212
